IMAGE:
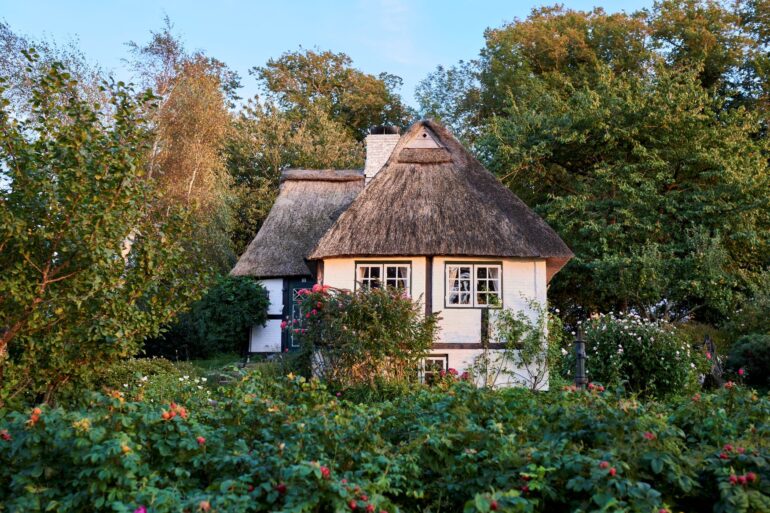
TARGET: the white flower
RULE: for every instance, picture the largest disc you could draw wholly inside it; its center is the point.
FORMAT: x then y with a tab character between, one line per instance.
200	387
564	351
144	378
125	385
203	379
186	377
692	365
180	379
557	310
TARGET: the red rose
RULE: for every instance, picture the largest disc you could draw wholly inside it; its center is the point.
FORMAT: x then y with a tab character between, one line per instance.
733	479
352	504
317	287
5	435
281	488
613	471
284	324
325	472
728	447
751	476
364	498
723	456
370	508
742	480
741	371
649	436
493	505
604	464
201	440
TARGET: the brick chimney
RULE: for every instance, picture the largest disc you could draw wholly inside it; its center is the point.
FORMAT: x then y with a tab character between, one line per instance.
379	145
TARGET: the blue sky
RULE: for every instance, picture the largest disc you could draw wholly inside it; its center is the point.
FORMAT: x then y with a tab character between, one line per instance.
408	38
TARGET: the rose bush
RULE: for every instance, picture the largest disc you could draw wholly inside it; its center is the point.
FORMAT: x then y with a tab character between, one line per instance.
645	357
291	445
362	337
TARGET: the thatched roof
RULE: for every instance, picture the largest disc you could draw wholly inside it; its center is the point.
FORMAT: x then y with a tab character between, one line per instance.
433	197
308	204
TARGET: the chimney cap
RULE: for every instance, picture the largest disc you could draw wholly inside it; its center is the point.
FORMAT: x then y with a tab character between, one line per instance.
384	130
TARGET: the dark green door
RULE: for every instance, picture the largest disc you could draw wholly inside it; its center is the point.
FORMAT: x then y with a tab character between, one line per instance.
291	287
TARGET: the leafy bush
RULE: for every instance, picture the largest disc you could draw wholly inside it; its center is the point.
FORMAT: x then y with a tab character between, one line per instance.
218	323
89	267
532	350
290	445
645	357
357	337
751	353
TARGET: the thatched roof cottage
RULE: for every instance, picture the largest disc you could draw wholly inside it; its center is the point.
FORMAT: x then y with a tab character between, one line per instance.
430	219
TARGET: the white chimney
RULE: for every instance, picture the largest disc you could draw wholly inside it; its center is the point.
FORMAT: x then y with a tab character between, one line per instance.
379	145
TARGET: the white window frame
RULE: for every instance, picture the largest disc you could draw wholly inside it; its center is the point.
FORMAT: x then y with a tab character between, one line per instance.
473	288
384	280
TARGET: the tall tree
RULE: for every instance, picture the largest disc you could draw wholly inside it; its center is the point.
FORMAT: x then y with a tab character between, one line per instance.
663	195
89	269
354	99
20	73
618	127
190	126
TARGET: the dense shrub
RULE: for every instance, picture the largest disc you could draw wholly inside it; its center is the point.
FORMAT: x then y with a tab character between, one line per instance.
749	358
645	357
290	445
357	337
218	323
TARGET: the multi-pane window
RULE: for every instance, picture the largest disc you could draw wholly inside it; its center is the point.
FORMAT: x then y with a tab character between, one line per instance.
474	285
433	367
378	275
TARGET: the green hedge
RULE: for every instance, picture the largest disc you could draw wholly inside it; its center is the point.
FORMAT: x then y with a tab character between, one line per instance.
289	445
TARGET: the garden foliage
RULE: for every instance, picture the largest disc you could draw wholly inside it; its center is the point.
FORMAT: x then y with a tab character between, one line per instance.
360	337
89	268
749	359
290	445
217	323
645	357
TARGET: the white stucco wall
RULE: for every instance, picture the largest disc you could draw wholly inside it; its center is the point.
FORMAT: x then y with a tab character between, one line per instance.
341	273
523	281
274	288
267	339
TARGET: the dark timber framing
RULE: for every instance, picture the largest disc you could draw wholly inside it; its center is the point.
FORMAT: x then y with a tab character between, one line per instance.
428	285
